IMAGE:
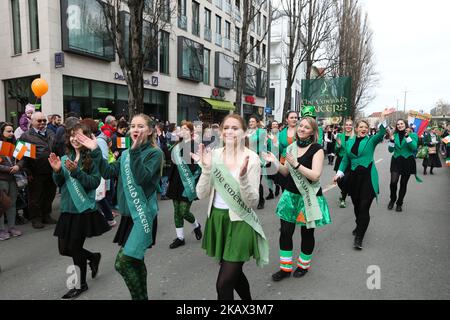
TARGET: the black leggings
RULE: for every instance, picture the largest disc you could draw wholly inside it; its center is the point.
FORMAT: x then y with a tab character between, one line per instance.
74	248
286	233
230	278
361	208
395	176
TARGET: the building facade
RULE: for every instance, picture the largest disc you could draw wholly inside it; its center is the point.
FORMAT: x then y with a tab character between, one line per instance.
65	42
279	42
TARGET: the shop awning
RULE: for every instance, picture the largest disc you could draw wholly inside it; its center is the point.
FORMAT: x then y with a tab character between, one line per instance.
220	105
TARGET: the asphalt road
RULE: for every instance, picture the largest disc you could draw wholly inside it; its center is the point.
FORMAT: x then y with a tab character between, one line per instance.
408	251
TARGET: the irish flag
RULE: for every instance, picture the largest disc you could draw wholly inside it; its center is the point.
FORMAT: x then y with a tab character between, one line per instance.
123	143
24	149
6	149
446	140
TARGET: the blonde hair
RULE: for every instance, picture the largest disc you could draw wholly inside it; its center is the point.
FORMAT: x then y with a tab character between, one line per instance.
150	124
362	120
313	123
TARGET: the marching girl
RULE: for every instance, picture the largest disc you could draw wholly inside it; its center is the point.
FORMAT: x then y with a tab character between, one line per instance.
233	233
138	170
341	142
77	177
431	140
403	144
288	134
302	202
183	178
362	184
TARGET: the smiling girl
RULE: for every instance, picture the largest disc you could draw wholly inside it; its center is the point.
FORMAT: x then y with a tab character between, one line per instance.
138	170
78	179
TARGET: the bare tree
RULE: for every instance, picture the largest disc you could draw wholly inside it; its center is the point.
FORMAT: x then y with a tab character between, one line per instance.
356	56
311	24
137	44
251	9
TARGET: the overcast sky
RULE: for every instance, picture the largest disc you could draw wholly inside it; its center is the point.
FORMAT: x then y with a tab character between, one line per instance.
412	47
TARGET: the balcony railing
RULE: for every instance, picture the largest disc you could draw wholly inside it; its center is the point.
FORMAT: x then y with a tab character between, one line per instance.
218	39
182	22
227	44
195	28
208	34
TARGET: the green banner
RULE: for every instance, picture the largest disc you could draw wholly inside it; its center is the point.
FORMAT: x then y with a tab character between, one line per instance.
330	97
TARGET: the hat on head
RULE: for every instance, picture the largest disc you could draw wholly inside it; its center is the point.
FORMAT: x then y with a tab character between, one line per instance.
308	111
29	107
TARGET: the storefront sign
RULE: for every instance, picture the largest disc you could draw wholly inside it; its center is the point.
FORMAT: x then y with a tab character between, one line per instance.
147	82
218	94
250	99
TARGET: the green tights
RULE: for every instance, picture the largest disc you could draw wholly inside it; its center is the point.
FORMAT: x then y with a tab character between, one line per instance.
182	212
134	273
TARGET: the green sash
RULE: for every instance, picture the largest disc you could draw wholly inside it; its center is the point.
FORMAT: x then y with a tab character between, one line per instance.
83	201
142	211
307	190
228	188
187	178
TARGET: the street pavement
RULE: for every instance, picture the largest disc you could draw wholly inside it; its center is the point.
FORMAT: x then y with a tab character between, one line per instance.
409	251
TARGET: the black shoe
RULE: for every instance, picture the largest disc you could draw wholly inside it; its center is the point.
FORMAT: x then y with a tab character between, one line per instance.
424	172
49	220
431	172
299	272
74	293
270	196
37	224
197	232
94	264
398	208
358	243
20	221
391	205
277	190
280	275
354	232
177	243
260	205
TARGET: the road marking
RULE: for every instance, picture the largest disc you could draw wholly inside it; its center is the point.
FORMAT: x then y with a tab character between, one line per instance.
332	186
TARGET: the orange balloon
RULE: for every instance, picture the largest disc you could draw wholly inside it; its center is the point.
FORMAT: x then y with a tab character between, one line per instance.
39	87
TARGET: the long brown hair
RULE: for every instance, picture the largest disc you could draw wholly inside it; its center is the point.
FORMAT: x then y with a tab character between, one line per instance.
151	125
86	160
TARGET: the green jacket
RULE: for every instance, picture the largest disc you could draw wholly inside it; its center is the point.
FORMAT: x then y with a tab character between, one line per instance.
404	149
320	137
365	155
340	149
257	141
283	141
145	165
89	180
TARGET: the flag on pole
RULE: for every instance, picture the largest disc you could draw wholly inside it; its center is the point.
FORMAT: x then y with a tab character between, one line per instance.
6	149
123	143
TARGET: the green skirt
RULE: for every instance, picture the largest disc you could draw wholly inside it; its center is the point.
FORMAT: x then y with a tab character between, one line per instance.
232	241
291	209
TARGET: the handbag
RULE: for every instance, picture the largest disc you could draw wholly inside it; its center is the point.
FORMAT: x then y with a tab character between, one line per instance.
21	179
422	153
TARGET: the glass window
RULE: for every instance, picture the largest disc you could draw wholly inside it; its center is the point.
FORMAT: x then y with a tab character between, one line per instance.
227	30
218	24
18	94
34	24
195	18
187	107
182	20
164	53
261	84
207	19
165	8
250	79
85	29
224	71
151	53
190	59
16	26
206	66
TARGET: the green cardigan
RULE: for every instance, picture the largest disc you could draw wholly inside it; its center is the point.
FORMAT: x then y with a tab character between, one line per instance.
340	149
364	158
404	149
89	181
145	166
283	141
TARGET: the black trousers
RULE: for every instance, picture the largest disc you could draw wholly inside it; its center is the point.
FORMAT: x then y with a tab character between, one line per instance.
41	193
395	176
261	192
361	208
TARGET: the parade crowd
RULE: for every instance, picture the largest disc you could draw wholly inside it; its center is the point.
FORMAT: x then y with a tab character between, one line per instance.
121	168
